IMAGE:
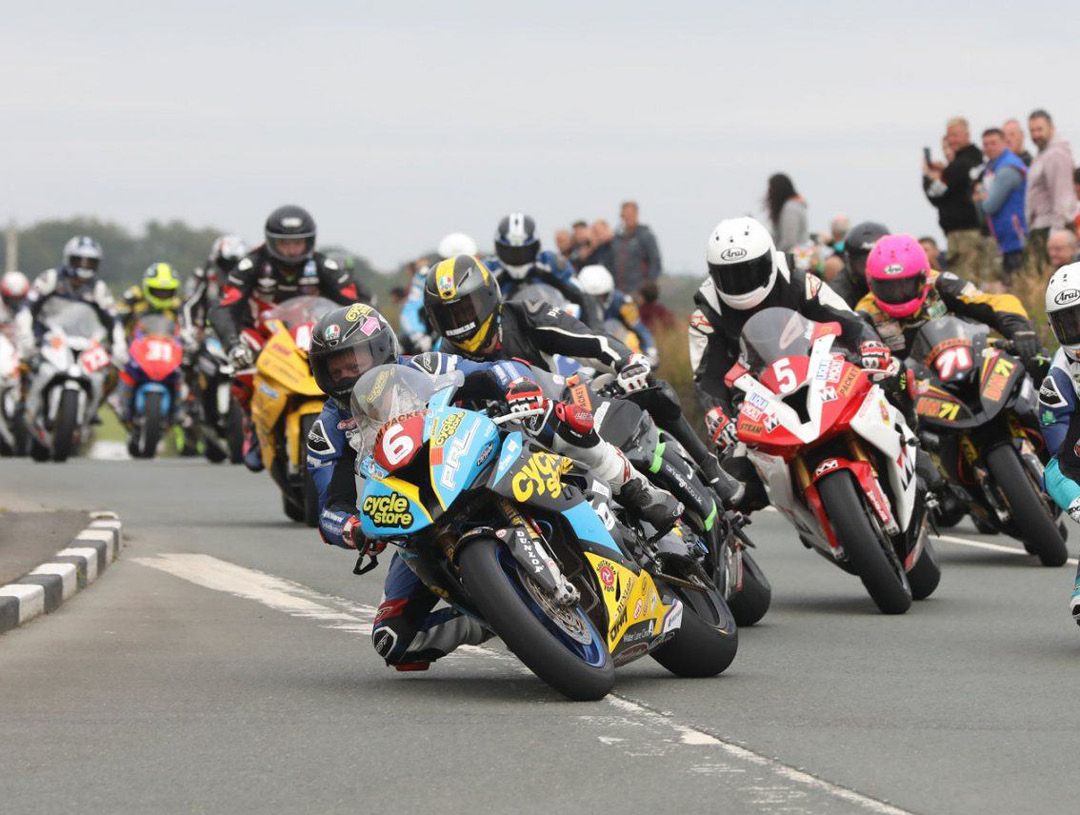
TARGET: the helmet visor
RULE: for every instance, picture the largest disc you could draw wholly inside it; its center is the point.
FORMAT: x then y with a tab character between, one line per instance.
1066	325
461	320
857	262
742	278
517	255
899	290
84	266
160	293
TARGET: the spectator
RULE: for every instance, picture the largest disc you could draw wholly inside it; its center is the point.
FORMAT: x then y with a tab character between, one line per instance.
582	244
1061	248
601	236
1051	198
787	213
655	315
1014	140
637	257
564	242
838	230
1000	198
933	253
949	189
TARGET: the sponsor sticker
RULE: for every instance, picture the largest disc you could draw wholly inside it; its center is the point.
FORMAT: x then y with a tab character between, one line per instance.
1049	395
388	510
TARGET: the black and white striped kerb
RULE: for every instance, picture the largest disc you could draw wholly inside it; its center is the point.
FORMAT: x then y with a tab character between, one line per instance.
71	569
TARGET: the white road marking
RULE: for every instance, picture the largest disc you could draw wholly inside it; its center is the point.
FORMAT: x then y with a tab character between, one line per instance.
991	547
786	784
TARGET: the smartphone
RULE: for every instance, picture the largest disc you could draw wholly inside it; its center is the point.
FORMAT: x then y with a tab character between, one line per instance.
926	155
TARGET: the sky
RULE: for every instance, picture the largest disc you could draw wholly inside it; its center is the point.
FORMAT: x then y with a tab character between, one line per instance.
395	123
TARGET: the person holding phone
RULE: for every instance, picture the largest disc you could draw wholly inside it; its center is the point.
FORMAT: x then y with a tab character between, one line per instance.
949	188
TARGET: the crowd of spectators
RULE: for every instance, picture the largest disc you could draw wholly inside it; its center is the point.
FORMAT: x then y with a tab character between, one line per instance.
1000	207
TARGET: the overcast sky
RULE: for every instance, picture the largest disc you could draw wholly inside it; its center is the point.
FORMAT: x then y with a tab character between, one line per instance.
395	123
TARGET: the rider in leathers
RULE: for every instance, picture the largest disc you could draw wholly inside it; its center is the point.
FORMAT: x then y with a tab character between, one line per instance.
1059	401
747	274
407	633
465	306
76	279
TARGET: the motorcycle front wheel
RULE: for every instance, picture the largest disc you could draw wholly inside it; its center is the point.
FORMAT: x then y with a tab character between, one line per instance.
1030	512
64	427
877	566
560	645
707	639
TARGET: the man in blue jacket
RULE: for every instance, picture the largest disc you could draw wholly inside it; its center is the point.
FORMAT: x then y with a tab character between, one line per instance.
1000	200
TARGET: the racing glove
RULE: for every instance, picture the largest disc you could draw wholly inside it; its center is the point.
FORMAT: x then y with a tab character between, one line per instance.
876	357
354	538
120	354
526	401
634	375
1026	344
242	354
721	428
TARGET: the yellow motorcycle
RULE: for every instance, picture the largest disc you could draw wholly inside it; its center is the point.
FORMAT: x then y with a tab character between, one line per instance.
286	401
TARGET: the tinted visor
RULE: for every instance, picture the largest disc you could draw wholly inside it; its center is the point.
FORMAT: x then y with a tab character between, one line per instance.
81	265
742	278
856	260
461	320
898	290
1066	325
161	294
517	255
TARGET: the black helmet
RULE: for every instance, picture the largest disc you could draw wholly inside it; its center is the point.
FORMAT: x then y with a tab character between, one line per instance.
462	300
516	244
290	222
345	344
858	243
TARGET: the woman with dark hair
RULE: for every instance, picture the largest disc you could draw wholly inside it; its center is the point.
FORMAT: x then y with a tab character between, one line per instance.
787	213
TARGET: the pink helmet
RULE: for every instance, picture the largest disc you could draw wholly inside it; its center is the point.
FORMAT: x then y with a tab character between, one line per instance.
896	273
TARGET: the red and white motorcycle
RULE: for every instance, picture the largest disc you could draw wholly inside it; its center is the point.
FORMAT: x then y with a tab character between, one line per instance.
837	459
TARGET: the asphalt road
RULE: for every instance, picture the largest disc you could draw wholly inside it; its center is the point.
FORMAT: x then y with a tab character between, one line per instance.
224	665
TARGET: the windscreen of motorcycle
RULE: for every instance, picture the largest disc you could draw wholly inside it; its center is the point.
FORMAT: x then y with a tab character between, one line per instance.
73	318
388	391
774	333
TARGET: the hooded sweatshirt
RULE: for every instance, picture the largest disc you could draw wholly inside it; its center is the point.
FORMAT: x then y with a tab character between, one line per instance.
1050	202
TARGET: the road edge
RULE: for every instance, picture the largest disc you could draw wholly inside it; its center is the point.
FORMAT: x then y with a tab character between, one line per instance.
74	567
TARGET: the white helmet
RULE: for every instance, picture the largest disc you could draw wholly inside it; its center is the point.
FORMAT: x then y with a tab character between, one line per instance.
82	256
227	251
596	280
457	243
742	262
14	286
1063	308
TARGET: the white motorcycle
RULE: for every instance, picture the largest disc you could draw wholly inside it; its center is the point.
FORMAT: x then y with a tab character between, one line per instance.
836	458
68	384
13	439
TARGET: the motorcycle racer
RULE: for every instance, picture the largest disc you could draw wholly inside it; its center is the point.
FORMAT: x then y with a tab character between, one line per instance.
407	633
14	288
748	274
597	282
158	293
75	279
850	281
465	305
203	288
1059	401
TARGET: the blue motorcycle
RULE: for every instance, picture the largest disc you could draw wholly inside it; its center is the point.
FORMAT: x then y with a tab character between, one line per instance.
517	536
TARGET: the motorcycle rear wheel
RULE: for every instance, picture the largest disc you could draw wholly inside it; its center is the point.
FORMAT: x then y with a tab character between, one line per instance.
64	427
234	432
707	639
1031	514
516	618
879	570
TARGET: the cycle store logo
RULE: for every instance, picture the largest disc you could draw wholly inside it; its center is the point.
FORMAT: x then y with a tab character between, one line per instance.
448	428
1063	298
388	510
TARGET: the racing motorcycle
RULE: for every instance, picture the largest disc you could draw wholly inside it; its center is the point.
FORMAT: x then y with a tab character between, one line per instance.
13	438
286	400
837	459
516	536
68	382
978	413
716	533
218	417
153	372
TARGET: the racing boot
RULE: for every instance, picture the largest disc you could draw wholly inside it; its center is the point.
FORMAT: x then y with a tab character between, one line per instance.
727	487
657	507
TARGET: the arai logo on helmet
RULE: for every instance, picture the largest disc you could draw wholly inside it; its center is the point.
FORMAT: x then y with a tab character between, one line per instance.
894	268
1063	298
292	222
733	253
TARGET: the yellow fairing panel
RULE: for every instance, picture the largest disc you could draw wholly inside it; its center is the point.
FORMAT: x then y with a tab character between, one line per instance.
629	598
